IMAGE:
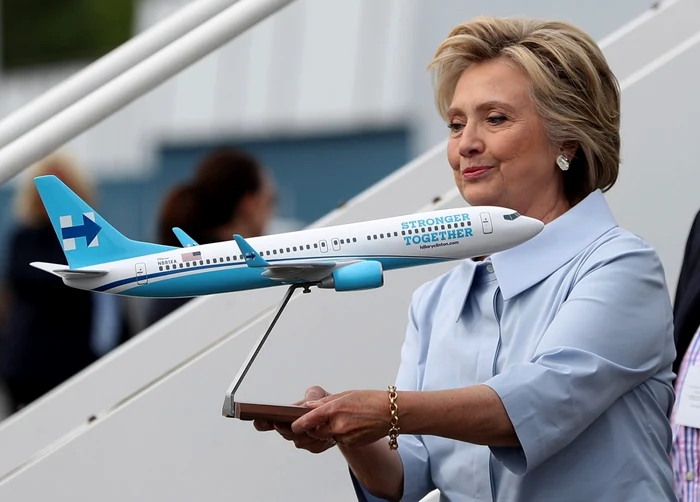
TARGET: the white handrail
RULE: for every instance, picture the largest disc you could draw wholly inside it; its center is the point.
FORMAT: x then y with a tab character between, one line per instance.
108	67
47	137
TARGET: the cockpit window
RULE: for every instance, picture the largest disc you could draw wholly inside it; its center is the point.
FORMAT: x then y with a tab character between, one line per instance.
511	216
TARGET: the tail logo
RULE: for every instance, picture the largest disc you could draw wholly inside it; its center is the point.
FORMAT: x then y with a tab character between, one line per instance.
70	233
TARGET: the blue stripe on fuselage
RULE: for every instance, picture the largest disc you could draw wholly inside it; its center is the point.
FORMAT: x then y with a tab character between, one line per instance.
228	277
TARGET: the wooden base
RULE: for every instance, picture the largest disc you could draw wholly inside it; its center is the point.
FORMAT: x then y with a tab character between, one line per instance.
269	412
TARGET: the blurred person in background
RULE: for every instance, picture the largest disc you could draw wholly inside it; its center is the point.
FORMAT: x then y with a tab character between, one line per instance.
53	331
686	306
230	193
685	453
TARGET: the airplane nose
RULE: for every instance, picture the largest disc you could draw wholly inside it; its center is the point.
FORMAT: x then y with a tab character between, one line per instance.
532	225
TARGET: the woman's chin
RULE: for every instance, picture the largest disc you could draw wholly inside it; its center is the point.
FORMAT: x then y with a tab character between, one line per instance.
478	196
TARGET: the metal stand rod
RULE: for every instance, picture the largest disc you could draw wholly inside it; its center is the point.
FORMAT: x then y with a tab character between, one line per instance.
44	139
238	380
108	67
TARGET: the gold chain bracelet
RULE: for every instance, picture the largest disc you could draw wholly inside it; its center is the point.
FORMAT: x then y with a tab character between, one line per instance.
394	409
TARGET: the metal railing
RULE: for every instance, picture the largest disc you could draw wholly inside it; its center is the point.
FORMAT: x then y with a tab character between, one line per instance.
122	76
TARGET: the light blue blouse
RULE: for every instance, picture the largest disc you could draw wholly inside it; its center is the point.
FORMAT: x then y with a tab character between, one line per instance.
574	331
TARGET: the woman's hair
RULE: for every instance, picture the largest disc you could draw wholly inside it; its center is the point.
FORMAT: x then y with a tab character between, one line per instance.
574	91
211	198
28	206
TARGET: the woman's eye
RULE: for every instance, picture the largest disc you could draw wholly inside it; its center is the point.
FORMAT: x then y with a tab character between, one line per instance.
455	127
496	119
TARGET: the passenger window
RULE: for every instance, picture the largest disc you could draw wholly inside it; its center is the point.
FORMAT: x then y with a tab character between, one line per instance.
369	237
375	236
160	268
288	250
167	267
181	265
315	245
342	241
308	246
214	259
442	227
396	234
354	239
228	258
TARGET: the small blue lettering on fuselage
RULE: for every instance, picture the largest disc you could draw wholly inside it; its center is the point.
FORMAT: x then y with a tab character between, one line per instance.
438	235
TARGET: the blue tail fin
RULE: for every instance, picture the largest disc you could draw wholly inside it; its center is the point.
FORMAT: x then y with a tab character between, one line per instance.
87	239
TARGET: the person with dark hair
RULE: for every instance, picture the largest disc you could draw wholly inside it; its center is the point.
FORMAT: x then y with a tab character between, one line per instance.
230	193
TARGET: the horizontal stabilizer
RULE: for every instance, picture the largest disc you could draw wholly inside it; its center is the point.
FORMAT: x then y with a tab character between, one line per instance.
184	239
251	256
65	272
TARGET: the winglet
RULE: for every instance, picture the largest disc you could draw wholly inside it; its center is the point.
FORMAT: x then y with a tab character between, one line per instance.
184	239
251	256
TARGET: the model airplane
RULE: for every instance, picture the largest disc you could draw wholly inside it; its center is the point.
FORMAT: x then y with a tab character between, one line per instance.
346	257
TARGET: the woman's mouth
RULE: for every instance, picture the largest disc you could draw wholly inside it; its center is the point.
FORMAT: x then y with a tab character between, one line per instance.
475	171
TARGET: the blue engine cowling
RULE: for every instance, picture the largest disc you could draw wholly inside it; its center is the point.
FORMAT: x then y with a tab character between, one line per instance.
356	277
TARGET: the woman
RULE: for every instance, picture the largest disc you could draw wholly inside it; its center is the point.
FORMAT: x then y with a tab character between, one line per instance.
230	193
40	353
541	373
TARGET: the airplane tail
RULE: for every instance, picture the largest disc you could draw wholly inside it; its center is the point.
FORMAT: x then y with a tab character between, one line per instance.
87	238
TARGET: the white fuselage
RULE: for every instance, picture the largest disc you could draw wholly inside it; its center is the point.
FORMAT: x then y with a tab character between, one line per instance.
396	242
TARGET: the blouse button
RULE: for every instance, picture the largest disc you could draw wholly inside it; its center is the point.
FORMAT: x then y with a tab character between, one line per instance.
689	476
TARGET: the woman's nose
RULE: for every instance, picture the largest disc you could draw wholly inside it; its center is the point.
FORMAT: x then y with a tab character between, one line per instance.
470	143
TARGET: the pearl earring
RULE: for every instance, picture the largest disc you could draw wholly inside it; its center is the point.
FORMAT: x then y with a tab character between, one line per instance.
563	163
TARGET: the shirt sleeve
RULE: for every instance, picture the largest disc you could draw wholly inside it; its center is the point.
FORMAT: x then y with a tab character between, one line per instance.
613	332
417	481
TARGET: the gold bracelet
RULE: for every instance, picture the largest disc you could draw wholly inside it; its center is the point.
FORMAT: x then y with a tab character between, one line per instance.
394	409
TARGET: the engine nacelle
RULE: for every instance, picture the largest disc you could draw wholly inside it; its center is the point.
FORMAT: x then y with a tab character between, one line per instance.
355	277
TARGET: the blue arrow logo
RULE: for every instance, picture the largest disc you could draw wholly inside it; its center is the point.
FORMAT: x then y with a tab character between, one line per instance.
89	229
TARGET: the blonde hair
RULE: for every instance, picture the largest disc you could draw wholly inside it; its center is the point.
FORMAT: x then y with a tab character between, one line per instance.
28	206
573	89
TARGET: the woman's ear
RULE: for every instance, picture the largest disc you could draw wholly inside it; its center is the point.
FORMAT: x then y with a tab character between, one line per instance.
569	148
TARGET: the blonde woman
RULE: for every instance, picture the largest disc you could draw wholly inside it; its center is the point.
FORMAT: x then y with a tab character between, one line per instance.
541	373
40	352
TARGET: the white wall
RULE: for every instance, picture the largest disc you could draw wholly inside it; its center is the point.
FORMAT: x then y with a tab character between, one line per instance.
316	65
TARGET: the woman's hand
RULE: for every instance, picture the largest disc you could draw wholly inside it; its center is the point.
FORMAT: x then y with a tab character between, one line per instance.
302	440
352	418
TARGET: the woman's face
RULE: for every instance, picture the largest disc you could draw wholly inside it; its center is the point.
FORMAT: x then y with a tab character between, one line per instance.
498	149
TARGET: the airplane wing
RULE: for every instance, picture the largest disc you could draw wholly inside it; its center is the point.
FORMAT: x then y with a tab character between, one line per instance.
305	271
291	271
65	272
184	239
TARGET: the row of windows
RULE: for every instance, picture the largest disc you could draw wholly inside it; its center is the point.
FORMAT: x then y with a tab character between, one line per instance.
422	230
273	252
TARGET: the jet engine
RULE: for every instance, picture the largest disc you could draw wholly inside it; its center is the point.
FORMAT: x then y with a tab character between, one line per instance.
355	277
